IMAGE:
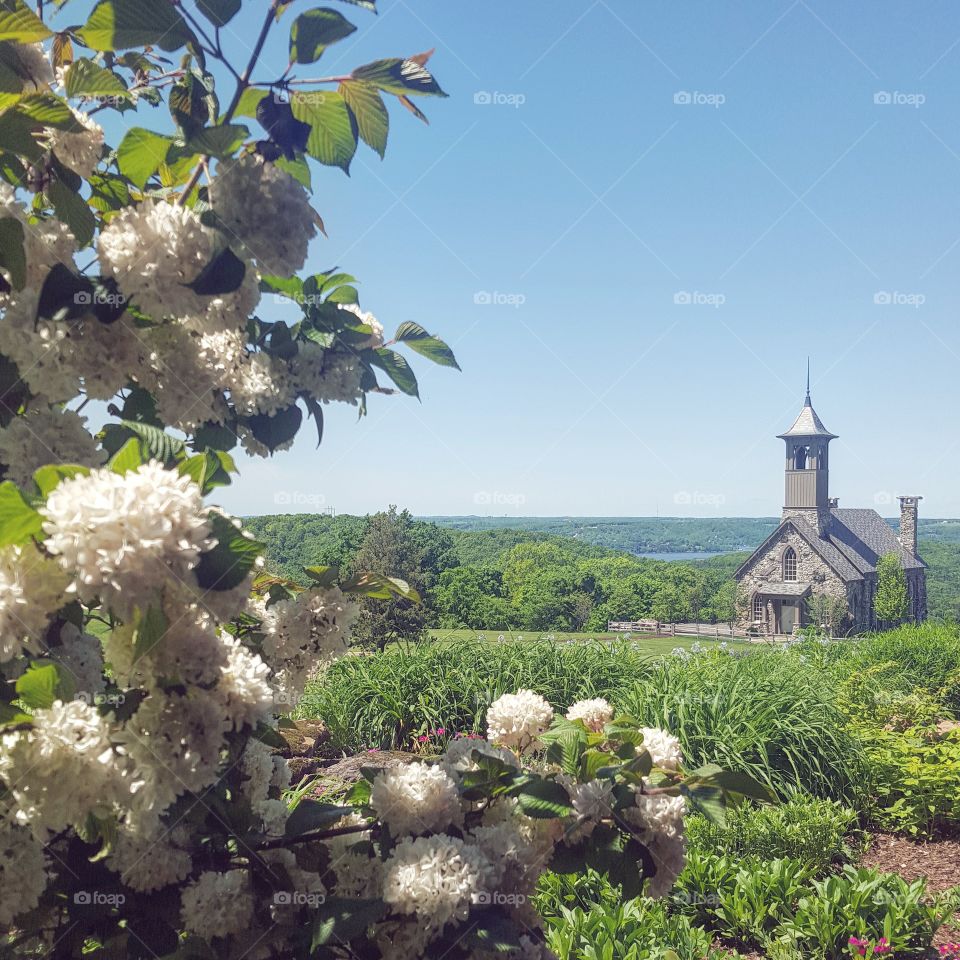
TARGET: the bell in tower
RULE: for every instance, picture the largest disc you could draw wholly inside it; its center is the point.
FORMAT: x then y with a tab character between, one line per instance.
807	473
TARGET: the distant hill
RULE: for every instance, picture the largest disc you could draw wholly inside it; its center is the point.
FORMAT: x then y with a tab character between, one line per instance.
665	534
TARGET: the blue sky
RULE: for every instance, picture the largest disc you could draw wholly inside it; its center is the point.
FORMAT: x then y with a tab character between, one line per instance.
633	222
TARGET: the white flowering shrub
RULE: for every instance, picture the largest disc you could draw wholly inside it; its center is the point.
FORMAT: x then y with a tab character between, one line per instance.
146	661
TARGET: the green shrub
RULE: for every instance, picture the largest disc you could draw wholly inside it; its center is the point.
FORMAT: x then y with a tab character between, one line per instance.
915	775
809	829
635	930
869	905
383	700
769	714
918	658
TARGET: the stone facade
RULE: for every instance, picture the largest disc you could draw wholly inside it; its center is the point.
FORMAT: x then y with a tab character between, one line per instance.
820	563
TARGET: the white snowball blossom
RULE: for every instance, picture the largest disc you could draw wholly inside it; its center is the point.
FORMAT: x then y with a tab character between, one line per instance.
595	714
436	878
32	587
22	871
663	747
79	150
217	904
45	435
123	535
416	798
267	210
516	720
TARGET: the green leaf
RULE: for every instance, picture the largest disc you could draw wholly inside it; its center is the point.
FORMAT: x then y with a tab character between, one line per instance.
191	103
86	78
149	629
223	274
48	478
127	458
312	815
73	210
228	563
333	130
274	431
51	111
249	101
222	141
140	154
10	716
323	576
433	348
399	76
344	919
289	287
379	587
42	684
312	32
397	369
544	799
13	260
122	24
370	5
16	135
299	169
219	12
18	520
373	121
710	801
157	444
18	22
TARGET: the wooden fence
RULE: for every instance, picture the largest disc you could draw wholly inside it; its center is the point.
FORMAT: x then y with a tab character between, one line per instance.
673	629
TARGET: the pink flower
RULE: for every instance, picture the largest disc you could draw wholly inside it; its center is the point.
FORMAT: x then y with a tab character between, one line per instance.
423	738
440	731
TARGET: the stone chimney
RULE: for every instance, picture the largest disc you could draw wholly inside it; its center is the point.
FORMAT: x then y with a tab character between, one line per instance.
833	502
908	523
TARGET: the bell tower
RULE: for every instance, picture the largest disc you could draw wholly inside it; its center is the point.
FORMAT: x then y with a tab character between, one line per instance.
807	468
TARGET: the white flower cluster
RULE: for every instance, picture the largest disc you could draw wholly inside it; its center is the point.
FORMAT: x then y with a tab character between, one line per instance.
303	634
32	588
217	904
79	150
416	798
45	435
663	747
265	209
516	720
595	714
121	535
22	871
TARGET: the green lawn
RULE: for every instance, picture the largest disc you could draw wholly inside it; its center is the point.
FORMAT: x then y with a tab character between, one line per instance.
653	644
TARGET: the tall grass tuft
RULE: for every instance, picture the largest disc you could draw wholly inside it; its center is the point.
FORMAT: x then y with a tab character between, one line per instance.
770	714
386	699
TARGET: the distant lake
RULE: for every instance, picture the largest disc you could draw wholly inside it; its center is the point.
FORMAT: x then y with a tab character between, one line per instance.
681	556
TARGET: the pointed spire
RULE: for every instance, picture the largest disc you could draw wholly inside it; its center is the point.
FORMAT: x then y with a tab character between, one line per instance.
806	402
808	424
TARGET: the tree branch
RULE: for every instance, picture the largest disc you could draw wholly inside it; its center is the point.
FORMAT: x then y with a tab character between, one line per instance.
242	83
281	842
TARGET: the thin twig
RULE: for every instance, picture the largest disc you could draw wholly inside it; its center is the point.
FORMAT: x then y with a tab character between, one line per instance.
242	83
281	842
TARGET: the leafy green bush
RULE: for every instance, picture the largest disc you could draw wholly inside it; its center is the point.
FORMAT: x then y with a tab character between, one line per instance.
914	774
866	904
769	714
385	699
809	829
634	930
924	657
